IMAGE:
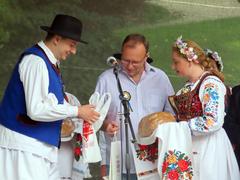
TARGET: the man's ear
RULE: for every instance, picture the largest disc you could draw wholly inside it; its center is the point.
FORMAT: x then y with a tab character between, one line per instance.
149	59
148	54
56	39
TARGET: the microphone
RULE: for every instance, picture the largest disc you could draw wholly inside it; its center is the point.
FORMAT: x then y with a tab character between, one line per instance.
112	61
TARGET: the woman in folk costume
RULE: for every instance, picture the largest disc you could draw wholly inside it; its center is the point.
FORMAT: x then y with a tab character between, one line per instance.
201	103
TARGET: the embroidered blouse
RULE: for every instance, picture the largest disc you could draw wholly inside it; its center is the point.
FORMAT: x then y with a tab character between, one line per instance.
206	112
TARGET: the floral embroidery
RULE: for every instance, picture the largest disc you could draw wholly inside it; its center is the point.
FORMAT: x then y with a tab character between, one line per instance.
87	130
206	97
211	104
186	89
176	165
209	122
78	147
148	172
148	152
214	95
188	105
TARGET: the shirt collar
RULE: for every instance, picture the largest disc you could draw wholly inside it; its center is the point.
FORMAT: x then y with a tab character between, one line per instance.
149	68
49	53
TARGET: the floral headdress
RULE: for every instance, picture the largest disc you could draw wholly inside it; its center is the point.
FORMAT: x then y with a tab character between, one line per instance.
185	50
214	55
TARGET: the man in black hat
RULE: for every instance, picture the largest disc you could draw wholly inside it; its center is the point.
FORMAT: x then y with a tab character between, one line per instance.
34	105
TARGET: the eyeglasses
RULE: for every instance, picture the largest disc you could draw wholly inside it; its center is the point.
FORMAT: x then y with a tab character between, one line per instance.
134	63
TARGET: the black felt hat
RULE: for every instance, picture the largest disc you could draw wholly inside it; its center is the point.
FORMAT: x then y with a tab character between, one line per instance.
66	26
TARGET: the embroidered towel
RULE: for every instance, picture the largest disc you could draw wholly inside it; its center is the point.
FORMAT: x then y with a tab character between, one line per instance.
90	148
79	170
174	150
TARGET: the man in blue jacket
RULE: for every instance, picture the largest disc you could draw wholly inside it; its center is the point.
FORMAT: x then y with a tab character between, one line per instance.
34	105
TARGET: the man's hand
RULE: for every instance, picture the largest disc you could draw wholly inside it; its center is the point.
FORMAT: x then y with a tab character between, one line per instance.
110	127
88	113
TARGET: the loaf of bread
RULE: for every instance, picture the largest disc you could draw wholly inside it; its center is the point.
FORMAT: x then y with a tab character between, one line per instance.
67	127
150	122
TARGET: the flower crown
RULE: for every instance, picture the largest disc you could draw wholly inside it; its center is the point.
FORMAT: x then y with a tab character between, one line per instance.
185	50
214	55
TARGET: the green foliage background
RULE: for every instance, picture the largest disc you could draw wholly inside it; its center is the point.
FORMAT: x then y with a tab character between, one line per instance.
106	23
19	29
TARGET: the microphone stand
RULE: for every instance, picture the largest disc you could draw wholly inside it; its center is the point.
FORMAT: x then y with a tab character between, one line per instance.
127	120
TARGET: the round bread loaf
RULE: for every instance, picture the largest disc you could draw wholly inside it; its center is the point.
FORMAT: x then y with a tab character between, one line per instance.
67	127
150	122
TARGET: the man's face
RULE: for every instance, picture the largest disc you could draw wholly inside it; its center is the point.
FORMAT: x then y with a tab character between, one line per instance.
133	59
65	47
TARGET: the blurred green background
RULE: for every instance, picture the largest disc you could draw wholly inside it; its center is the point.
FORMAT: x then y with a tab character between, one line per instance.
212	23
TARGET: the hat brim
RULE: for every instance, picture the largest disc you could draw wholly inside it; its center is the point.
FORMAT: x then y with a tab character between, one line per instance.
47	29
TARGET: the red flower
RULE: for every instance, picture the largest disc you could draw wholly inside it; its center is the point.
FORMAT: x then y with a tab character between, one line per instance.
183	165
164	166
148	152
153	151
79	137
142	147
173	175
77	151
87	130
170	152
196	104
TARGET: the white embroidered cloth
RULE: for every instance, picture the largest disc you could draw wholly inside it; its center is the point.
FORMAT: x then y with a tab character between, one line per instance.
174	150
80	169
91	151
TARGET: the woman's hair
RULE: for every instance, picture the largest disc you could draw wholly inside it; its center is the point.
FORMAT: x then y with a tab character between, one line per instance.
215	58
191	51
212	66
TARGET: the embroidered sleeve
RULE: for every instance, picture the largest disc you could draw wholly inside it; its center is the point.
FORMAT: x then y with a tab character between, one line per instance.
211	94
